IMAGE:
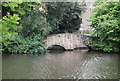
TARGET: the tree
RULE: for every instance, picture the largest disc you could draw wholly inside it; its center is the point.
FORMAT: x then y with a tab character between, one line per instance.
12	13
106	21
64	17
35	24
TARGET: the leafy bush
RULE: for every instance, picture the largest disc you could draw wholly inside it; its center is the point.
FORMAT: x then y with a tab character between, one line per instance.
29	45
9	28
12	13
31	25
106	21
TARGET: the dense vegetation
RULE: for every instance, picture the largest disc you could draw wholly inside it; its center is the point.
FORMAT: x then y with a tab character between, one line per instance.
13	38
64	17
106	21
26	24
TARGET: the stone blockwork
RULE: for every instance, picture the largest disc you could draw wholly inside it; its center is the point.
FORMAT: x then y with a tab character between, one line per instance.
67	40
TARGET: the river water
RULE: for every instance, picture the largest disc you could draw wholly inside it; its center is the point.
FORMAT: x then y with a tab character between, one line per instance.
60	65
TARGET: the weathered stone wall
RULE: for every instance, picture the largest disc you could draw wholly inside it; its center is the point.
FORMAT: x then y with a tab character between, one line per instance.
85	28
67	40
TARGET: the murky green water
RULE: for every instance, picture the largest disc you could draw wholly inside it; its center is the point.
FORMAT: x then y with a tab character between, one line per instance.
65	65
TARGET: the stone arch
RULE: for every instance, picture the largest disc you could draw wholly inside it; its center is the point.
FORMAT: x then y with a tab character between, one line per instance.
60	46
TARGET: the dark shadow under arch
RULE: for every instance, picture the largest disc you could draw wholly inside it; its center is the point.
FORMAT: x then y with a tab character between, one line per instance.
56	47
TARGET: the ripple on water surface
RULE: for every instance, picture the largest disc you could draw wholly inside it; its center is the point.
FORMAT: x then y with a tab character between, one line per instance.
65	65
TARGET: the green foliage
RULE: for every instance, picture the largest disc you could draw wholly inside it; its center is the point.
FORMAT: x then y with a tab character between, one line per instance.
9	28
20	7
12	39
106	21
10	22
25	27
34	23
64	17
28	45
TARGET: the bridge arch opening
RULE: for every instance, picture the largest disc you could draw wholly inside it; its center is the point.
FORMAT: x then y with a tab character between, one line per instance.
56	47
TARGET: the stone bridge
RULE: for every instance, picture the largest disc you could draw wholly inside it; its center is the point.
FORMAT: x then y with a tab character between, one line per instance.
69	41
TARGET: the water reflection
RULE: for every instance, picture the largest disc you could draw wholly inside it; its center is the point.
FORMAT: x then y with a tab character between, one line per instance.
62	65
